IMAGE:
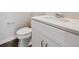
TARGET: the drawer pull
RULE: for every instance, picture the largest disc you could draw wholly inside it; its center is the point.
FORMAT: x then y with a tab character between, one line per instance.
42	43
46	45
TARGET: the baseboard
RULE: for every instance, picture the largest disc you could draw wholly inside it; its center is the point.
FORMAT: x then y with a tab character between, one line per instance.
7	40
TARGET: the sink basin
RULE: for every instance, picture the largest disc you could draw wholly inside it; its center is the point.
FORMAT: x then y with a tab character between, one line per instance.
56	19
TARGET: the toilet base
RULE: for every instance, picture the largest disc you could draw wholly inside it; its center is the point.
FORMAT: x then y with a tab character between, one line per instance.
23	43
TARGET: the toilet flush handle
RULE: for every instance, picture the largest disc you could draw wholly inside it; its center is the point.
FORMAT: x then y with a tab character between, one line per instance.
10	23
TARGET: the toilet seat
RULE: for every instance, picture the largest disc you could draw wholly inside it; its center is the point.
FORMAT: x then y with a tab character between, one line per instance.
24	31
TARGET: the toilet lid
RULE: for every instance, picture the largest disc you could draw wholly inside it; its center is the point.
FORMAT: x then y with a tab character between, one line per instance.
23	31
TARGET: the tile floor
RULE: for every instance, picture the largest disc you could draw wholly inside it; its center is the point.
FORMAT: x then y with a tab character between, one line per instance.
13	43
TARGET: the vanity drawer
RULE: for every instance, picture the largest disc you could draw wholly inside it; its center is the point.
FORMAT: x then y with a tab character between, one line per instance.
63	38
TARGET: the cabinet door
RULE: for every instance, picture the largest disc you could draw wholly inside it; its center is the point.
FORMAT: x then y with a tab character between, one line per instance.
36	39
71	40
39	40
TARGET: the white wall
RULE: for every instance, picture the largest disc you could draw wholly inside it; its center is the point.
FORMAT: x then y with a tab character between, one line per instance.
38	13
74	15
23	19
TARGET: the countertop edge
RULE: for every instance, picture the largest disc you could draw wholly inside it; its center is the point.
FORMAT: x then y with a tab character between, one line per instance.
59	27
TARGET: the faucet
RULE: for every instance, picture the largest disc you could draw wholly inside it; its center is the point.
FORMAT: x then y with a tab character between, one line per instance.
59	15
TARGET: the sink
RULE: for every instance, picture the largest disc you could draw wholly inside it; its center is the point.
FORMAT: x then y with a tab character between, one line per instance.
56	19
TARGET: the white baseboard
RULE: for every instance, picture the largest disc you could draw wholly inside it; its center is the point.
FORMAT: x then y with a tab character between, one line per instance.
7	40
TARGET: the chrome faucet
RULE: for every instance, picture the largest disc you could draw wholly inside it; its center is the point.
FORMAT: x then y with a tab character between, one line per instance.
59	15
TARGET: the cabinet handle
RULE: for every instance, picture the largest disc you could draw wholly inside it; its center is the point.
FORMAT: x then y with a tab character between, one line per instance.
42	43
46	44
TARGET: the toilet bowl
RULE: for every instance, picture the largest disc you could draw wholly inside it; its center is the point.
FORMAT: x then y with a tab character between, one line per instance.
24	35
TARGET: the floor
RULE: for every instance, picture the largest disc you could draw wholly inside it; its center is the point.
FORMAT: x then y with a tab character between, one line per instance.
13	43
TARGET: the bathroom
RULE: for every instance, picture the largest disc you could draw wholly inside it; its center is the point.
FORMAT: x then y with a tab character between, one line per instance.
13	23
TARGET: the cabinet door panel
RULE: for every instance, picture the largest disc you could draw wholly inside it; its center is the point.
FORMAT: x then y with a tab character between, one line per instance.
39	40
71	40
36	40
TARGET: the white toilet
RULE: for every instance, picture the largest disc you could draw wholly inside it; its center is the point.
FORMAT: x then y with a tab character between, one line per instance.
24	35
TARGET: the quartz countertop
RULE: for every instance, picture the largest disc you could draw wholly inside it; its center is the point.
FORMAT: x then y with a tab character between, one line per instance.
71	25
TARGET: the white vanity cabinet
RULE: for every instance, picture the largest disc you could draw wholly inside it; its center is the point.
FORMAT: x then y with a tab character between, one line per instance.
40	40
44	35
